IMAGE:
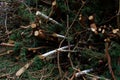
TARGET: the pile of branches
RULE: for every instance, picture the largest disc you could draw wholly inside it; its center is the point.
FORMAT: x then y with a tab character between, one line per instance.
83	37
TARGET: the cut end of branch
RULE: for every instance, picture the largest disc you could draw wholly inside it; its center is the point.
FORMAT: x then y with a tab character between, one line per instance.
33	25
36	33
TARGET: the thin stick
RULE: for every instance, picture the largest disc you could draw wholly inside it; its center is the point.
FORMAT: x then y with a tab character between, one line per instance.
47	18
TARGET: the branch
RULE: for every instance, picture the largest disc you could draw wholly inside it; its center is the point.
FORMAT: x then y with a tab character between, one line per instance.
7	44
53	51
25	67
109	59
38	13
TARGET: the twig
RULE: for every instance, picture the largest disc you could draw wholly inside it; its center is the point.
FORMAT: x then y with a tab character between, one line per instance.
52	52
109	60
69	54
66	34
38	13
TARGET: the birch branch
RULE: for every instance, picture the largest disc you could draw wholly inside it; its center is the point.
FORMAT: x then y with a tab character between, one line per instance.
38	13
53	51
83	72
